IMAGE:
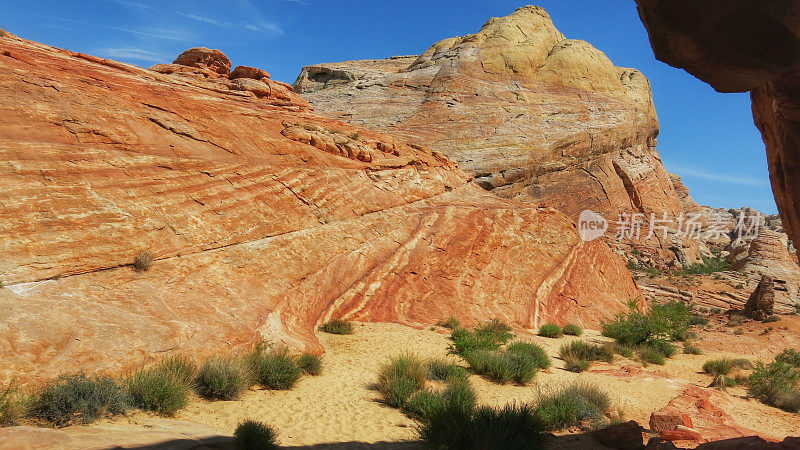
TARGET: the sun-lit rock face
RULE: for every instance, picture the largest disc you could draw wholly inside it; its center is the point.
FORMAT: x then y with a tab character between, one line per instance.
531	115
740	46
265	220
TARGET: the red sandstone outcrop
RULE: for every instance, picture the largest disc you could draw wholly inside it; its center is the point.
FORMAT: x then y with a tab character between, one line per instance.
530	114
248	72
204	58
256	233
740	46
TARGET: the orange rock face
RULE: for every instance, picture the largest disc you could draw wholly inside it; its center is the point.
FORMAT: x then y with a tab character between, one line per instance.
256	233
530	114
740	46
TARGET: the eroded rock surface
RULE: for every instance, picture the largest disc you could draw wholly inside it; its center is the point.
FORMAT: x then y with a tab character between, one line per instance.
255	234
740	46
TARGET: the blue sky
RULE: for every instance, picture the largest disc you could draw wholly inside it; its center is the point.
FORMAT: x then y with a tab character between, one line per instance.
707	138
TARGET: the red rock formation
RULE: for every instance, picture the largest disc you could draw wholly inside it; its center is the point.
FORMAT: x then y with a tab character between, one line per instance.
248	72
255	233
740	46
204	58
532	115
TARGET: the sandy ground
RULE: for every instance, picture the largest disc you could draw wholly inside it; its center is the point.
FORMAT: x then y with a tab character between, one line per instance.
339	407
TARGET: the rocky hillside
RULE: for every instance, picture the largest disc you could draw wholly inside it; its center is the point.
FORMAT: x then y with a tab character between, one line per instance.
530	114
263	220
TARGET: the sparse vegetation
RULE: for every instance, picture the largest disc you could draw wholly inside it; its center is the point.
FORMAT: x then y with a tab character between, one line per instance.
550	330
221	379
738	332
772	318
500	331
337	327
708	266
571	406
400	378
451	323
310	364
692	350
650	271
571	329
776	385
789	356
489	336
354	136
650	355
578	355
718	368
519	362
79	399
253	435
162	389
443	370
143	261
274	368
12	408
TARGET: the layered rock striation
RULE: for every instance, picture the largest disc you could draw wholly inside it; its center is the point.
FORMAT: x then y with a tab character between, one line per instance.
530	114
264	219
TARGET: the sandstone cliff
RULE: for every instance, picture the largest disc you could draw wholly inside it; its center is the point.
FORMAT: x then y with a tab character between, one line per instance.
531	115
265	220
740	46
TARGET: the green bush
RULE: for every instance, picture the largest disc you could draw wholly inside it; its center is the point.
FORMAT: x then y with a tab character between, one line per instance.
652	356
310	364
582	350
79	399
451	323
776	385
571	329
181	367
159	389
467	341
789	356
423	404
708	266
550	330
400	378
692	350
253	435
337	327
499	331
442	370
221	379
663	347
512	427
459	396
494	365
12	408
718	368
571	406
275	369
675	317
530	351
574	364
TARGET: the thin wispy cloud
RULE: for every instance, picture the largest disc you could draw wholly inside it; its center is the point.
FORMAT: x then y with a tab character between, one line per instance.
132	4
149	33
742	180
265	27
134	53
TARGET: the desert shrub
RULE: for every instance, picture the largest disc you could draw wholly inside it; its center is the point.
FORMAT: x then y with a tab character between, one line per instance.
696	320
337	327
12	407
735	319
143	261
692	350
459	395
571	329
718	368
708	266
499	331
623	350
776	385
221	379
662	346
310	364
675	317
741	363
253	435
423	404
465	341
789	356
530	351
181	367
634	328
400	378
442	370
275	369
772	318
494	365
574	364
652	356
451	323
582	350
571	406
511	427
550	330
159	389
79	399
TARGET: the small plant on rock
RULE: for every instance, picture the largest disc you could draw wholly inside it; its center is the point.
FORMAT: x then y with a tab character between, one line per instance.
143	261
